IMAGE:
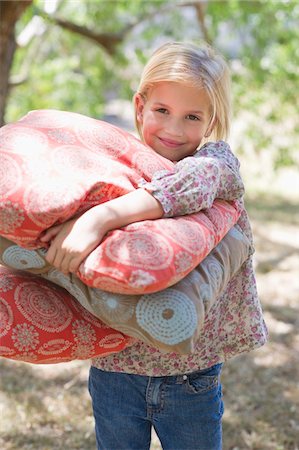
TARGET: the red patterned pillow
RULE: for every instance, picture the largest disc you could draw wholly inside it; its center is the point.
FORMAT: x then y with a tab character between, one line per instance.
42	323
170	320
55	164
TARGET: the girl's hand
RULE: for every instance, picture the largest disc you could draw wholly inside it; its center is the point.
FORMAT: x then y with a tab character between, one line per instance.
72	241
50	234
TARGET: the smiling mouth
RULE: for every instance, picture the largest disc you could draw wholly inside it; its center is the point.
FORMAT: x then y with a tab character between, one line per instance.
170	143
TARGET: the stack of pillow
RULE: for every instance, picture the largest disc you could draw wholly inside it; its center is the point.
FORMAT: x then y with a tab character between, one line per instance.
57	164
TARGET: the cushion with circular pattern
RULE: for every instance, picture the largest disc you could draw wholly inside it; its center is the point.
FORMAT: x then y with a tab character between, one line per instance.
55	164
171	319
42	323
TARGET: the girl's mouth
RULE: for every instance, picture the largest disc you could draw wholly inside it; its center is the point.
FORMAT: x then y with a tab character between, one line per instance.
170	143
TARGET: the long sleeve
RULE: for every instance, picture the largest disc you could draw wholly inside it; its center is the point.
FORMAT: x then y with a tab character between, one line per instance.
196	181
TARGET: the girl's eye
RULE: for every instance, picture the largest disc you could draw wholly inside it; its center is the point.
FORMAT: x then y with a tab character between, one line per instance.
162	110
192	117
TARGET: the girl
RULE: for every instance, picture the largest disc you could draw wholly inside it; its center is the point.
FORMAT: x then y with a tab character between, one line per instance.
183	98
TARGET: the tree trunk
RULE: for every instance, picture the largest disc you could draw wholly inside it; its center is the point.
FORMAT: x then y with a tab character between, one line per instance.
9	13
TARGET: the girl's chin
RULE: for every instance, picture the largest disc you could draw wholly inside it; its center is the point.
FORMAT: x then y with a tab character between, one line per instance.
166	154
172	155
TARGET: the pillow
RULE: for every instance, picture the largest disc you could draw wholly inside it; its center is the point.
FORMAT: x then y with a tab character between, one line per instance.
42	323
55	164
170	320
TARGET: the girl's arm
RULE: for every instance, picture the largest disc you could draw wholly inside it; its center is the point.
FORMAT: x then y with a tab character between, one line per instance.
196	181
73	240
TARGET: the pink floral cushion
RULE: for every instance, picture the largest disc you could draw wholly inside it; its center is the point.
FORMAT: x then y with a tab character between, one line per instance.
55	164
42	323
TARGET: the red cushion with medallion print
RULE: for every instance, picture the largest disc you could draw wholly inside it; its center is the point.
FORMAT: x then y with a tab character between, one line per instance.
42	323
56	164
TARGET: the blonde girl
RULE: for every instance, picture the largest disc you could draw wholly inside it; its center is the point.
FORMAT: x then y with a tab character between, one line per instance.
182	101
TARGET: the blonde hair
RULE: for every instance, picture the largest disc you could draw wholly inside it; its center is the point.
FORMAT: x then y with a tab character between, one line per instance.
199	67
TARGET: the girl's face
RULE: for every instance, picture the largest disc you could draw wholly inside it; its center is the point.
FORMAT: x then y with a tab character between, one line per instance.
174	118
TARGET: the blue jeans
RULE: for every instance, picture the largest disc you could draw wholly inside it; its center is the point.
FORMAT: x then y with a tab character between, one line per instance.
185	410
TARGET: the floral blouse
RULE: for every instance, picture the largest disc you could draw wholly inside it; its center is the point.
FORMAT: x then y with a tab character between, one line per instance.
235	323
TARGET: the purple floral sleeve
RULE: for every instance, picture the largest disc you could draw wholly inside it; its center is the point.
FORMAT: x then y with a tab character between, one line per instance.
196	181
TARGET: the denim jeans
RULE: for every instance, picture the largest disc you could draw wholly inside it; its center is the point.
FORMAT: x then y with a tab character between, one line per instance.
185	410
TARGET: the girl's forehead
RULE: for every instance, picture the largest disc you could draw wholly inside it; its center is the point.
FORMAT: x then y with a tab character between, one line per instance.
173	87
170	91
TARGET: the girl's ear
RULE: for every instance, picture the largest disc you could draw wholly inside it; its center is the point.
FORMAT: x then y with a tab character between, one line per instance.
139	106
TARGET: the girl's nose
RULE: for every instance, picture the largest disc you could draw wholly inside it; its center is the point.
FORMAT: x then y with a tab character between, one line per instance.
174	127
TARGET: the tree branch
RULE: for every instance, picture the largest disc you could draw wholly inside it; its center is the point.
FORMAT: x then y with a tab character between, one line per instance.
200	6
200	12
108	41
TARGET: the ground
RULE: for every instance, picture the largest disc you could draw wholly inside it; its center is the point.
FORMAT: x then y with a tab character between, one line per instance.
48	407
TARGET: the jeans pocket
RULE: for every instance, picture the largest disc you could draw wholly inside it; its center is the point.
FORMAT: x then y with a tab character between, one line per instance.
203	381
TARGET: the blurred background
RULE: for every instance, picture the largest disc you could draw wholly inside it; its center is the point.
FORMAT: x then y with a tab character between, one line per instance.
86	56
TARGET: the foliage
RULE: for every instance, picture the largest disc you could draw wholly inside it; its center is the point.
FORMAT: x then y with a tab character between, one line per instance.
259	38
265	71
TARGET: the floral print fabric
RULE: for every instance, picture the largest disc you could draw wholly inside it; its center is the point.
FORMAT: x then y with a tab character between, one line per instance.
193	185
235	322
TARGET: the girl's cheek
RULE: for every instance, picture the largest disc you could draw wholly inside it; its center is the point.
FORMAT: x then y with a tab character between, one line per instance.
147	137
149	128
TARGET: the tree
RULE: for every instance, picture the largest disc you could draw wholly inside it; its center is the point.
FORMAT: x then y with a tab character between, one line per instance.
10	12
96	37
92	51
